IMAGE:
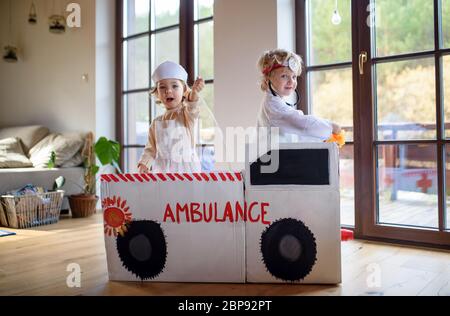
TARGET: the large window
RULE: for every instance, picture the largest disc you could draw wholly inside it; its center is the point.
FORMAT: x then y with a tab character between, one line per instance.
380	68
327	81
151	32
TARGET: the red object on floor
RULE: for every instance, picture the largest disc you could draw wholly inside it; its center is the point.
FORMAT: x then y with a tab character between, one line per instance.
346	234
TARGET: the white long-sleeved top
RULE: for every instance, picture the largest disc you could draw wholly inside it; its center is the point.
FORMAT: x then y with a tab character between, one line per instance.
293	124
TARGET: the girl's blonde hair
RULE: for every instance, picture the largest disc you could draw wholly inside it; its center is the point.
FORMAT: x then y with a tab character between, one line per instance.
272	57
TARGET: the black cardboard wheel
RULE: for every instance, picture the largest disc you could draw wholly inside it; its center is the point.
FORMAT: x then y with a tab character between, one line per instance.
143	249
288	249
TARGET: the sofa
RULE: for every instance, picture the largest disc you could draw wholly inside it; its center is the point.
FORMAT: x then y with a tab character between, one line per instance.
24	155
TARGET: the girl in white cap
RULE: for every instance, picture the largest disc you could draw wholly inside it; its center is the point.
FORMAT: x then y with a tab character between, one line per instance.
280	70
171	143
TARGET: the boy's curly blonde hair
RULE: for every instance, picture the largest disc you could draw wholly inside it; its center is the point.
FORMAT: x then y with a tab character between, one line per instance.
272	57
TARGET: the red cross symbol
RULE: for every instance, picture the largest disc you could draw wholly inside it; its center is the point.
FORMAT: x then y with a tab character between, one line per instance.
388	180
424	183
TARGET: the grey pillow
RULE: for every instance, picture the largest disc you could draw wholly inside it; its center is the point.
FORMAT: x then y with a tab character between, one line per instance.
12	155
75	161
65	147
29	135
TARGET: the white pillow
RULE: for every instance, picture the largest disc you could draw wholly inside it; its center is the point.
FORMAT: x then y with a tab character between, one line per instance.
12	155
29	135
65	147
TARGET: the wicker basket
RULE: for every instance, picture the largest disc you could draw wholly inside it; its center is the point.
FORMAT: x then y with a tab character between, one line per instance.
31	210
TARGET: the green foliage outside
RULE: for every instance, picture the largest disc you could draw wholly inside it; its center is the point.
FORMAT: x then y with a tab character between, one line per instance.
166	47
405	90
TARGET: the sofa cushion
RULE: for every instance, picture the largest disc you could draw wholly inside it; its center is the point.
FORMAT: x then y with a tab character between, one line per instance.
12	155
75	161
65	147
29	135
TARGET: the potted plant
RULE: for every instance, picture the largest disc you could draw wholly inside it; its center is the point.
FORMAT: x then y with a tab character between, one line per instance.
108	153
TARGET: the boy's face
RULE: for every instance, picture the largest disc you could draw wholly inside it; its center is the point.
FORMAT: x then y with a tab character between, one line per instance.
284	81
170	92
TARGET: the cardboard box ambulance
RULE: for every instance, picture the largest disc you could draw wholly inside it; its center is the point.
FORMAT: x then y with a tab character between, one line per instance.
204	228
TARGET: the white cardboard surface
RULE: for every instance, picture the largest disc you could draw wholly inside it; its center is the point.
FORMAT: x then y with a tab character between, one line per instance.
196	252
318	207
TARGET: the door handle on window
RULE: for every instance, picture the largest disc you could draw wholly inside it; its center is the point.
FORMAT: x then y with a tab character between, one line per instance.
362	61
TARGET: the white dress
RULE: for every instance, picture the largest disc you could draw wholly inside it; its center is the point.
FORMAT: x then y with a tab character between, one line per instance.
175	151
171	141
293	125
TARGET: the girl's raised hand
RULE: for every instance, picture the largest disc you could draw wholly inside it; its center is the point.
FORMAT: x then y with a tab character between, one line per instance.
143	168
198	86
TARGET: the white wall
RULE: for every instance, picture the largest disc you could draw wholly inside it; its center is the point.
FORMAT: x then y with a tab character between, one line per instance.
243	30
45	86
286	24
105	69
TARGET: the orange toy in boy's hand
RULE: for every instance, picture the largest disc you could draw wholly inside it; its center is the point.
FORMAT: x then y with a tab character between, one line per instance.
339	139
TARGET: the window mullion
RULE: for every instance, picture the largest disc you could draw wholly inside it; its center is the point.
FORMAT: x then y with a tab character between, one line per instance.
439	116
300	12
150	12
187	37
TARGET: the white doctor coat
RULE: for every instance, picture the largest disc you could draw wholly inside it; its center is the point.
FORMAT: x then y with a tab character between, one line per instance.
293	125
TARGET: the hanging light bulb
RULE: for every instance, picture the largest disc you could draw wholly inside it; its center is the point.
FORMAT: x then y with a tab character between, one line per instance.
336	18
32	16
10	54
57	22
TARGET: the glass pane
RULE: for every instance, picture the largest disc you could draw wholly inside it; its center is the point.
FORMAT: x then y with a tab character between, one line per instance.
406	100
136	63
136	118
157	109
165	47
446	22
330	42
203	9
206	120
446	92
166	13
332	97
447	184
205	50
347	185
132	156
135	16
407	185
402	27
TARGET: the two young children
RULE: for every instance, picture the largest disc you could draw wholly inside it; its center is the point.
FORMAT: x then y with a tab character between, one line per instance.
171	144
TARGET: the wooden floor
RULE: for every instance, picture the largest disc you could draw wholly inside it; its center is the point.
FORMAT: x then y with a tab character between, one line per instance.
34	262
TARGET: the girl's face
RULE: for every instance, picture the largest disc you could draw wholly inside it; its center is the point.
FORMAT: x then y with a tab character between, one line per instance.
284	81
170	92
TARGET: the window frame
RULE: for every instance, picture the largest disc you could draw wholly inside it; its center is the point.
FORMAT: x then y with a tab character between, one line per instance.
364	125
186	55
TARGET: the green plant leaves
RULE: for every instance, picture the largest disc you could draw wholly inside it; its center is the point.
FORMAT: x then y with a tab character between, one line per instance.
107	151
52	161
59	182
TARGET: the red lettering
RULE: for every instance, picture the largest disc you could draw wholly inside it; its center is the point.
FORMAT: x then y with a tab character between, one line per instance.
264	213
228	213
180	209
241	213
216	218
253	220
168	213
208	217
208	212
194	211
